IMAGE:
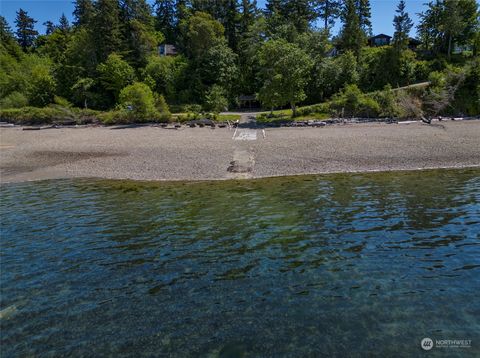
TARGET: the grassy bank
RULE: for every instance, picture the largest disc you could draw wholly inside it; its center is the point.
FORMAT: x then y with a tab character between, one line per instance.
70	116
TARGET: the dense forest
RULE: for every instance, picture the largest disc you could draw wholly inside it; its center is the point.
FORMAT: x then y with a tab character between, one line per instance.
283	56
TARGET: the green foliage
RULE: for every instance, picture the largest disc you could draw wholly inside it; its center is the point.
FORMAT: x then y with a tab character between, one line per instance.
46	115
137	103
351	102
115	74
387	100
202	32
161	105
107	35
285	70
164	74
403	24
446	23
317	111
218	65
352	36
194	108
215	99
231	48
31	76
26	32
81	90
332	74
14	100
62	102
139	99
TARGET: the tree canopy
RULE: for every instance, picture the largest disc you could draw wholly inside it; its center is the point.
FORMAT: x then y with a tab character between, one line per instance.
283	54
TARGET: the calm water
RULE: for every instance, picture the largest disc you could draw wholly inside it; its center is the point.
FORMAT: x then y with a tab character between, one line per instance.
337	265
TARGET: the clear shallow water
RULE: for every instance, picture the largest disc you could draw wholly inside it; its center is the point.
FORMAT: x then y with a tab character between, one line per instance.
362	264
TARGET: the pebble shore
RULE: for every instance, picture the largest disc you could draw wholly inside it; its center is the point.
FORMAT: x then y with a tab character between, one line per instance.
156	153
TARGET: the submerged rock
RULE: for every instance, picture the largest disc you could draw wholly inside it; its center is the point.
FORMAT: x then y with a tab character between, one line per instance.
8	312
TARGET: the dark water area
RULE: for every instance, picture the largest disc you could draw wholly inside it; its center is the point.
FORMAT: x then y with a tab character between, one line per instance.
335	265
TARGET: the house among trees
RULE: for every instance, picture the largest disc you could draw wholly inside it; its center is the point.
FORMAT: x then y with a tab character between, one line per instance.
384	40
379	40
167	50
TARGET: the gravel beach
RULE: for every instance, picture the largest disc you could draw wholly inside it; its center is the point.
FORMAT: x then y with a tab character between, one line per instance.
154	153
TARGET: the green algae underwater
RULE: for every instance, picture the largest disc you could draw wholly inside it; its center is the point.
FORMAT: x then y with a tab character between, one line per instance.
336	265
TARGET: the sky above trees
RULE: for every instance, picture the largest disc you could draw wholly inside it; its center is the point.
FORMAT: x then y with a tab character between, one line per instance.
44	10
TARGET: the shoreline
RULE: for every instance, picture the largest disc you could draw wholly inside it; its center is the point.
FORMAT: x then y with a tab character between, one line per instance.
200	181
200	154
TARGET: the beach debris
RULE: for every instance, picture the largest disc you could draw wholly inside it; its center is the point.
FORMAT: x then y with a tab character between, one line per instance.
5	124
37	128
426	120
221	125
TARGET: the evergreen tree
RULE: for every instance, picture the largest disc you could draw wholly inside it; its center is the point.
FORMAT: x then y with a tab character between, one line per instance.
403	24
83	12
26	33
273	7
248	14
181	11
7	40
352	37
364	14
49	27
299	13
447	23
165	20
106	28
5	30
136	10
231	22
137	25
64	25
328	11
211	7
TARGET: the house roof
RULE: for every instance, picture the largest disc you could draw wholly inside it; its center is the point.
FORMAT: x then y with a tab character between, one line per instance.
379	36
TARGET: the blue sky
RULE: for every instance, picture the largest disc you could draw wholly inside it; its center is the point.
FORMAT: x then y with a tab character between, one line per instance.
43	10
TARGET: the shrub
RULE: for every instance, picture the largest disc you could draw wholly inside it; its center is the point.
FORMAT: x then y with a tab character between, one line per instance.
14	100
62	102
195	108
321	108
215	99
138	100
387	102
115	117
46	115
352	102
410	106
161	105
